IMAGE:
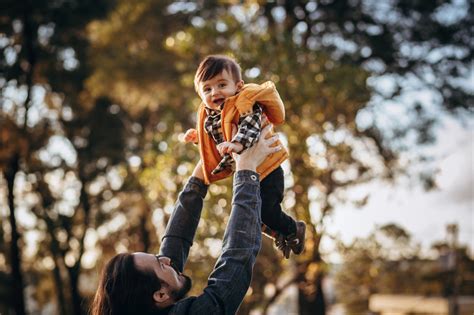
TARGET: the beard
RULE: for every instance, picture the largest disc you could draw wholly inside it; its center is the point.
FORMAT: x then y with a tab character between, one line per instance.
181	293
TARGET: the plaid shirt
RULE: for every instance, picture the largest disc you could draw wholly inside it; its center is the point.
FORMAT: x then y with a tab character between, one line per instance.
247	134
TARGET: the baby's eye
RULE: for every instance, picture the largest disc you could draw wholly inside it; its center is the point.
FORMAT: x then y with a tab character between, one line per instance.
222	85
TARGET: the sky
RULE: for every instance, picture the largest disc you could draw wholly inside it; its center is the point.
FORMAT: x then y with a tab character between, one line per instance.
424	214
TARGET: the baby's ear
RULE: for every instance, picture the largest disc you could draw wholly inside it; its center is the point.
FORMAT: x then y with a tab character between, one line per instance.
240	85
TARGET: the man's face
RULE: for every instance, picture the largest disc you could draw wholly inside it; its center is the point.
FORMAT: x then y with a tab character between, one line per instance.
215	91
176	283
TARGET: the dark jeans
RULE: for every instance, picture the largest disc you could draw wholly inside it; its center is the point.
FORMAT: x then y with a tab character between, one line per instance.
271	193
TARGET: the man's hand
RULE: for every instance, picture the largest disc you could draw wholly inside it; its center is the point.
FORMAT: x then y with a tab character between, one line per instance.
255	155
229	147
191	136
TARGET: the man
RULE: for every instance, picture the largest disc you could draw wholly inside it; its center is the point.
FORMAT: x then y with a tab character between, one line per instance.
142	283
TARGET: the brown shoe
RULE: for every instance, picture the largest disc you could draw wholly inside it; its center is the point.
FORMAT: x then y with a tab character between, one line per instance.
296	241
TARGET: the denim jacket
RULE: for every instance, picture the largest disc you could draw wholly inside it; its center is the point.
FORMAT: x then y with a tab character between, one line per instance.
230	279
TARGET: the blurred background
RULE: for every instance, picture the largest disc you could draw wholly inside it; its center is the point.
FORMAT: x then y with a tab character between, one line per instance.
96	96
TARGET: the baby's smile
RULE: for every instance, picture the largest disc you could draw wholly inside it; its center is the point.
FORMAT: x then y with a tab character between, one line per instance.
218	101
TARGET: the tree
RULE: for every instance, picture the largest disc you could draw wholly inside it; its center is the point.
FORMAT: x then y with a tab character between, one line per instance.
321	55
5	280
324	57
182	42
313	40
389	261
39	50
379	263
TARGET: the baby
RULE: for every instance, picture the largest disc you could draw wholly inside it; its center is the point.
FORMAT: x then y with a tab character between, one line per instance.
230	119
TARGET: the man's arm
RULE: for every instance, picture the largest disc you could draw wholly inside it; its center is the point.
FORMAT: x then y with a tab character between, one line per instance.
181	228
230	279
232	273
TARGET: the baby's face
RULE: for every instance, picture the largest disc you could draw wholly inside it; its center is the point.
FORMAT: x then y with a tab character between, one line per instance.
215	91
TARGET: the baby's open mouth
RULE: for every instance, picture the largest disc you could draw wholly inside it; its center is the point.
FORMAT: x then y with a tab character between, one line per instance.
219	101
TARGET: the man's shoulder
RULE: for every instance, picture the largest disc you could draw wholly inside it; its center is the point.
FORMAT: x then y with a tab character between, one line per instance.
202	304
182	307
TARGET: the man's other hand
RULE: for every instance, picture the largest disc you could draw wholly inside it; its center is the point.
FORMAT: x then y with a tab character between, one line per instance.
255	155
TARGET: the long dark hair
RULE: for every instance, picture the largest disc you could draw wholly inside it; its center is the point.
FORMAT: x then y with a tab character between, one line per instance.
123	289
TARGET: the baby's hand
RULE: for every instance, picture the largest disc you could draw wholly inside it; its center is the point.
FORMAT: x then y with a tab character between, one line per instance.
191	136
229	147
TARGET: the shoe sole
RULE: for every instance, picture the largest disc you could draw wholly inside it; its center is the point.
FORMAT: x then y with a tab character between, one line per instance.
298	251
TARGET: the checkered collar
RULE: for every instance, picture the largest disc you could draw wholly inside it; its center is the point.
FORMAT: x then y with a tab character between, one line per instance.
212	112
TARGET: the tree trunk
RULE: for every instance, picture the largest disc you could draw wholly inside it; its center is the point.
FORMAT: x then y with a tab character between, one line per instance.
75	270
314	303
59	287
15	256
13	168
57	255
144	233
75	294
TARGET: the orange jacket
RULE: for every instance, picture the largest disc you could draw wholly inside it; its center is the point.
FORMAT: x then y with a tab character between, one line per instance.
238	105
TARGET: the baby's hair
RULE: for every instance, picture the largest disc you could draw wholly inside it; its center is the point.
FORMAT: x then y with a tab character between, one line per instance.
212	65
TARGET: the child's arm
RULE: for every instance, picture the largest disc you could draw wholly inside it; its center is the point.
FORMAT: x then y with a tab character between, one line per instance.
249	127
229	147
247	134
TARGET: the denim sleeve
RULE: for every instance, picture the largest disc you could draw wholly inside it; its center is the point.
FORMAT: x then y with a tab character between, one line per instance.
181	228
230	279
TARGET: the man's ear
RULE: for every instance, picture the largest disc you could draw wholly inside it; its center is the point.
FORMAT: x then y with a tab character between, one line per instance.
161	297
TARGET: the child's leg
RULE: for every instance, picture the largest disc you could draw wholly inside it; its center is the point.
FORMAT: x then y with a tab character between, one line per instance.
271	192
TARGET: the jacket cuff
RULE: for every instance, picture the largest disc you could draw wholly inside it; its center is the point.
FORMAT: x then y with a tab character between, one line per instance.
246	176
197	185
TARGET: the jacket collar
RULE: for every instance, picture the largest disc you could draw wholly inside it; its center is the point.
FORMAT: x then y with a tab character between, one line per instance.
214	111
